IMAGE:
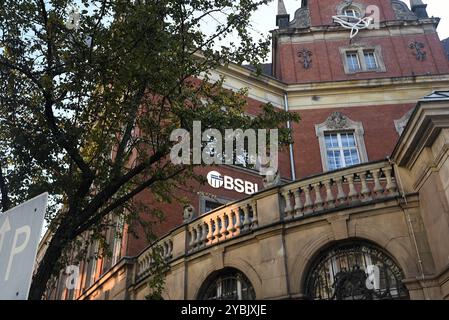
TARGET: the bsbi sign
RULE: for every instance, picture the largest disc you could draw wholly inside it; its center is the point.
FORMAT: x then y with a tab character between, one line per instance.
216	180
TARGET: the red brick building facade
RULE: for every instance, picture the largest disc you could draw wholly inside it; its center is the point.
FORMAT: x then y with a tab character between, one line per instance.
354	96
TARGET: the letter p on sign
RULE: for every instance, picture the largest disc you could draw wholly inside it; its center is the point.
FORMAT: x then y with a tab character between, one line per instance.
20	231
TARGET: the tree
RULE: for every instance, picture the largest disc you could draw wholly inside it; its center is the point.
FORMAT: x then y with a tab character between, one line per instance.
88	104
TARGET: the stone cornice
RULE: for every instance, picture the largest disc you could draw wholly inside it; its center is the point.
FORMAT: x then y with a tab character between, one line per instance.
331	94
427	121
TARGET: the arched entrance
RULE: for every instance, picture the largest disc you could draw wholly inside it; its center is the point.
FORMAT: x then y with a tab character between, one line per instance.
227	284
354	270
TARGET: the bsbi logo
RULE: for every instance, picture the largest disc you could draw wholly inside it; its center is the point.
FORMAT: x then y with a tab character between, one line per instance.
215	179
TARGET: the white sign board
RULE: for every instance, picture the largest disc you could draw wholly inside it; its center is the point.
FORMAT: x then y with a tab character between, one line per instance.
20	230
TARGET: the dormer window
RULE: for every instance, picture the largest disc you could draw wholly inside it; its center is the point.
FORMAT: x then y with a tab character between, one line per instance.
351	12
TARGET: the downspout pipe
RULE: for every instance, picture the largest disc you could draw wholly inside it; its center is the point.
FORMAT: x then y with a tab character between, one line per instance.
289	126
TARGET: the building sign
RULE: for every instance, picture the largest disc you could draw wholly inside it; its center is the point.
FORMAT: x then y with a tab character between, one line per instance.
217	180
20	230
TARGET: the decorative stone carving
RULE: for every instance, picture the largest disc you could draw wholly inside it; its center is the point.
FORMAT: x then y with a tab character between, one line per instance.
337	121
302	18
349	3
418	47
271	180
305	57
401	11
400	124
189	213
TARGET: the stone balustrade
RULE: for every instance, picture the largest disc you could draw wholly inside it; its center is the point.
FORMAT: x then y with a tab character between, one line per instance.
330	191
222	224
146	259
341	188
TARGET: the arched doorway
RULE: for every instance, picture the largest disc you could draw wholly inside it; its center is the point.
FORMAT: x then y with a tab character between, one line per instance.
354	270
227	284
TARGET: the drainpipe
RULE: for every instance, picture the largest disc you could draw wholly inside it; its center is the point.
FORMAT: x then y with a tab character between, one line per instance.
407	215
289	126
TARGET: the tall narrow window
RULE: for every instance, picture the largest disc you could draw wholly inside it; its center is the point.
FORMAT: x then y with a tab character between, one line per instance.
341	150
370	60
352	61
117	243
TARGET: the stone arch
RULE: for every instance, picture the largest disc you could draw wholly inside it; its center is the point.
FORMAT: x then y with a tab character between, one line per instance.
398	248
238	264
391	251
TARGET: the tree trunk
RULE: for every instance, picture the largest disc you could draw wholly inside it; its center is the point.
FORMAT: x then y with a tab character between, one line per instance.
47	266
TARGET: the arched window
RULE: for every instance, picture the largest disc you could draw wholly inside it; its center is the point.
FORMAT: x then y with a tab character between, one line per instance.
355	271
352	12
227	284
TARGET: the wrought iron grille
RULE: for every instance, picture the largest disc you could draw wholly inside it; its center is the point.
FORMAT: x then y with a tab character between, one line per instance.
228	285
355	271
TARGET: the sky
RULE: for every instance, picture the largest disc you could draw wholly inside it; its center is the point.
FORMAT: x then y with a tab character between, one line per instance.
264	19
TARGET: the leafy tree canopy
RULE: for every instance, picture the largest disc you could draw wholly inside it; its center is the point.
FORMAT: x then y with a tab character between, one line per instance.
87	107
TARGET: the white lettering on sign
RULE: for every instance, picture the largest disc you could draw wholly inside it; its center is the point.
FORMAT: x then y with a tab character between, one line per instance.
20	230
216	180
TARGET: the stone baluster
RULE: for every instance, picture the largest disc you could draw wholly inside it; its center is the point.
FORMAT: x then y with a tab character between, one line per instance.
378	189
210	234
255	217
191	239
224	229
170	248
318	198
217	228
341	196
231	227
195	237
238	222
288	203
298	203
365	191
246	220
164	250
330	200
391	186
308	204
352	194
205	233
199	240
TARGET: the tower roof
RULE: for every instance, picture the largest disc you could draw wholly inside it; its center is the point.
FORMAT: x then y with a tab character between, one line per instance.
281	8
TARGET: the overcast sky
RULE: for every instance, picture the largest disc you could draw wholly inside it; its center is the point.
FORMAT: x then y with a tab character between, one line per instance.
264	19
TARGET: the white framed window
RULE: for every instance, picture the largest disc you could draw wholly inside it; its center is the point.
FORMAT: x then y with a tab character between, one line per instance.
353	62
341	142
117	242
362	59
94	261
370	60
341	150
